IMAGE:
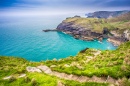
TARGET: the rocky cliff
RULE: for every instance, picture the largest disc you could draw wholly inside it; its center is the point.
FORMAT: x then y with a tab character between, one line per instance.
82	28
116	29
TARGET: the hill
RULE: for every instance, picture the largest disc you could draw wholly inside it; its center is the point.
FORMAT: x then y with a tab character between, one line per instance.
106	14
90	67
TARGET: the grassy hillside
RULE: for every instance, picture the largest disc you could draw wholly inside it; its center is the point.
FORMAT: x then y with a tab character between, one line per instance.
121	22
115	64
15	66
108	63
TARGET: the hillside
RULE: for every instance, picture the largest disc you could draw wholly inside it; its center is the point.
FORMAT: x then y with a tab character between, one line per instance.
92	67
106	14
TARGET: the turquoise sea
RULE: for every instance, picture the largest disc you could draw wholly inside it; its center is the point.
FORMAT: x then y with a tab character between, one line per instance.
23	37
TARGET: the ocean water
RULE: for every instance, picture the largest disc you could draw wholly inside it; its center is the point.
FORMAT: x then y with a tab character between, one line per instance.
23	37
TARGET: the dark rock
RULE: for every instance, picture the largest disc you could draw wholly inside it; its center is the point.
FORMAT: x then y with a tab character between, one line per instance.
77	16
77	31
105	30
82	51
48	30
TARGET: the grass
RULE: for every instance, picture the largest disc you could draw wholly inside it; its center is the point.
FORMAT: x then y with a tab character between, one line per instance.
74	83
115	63
121	22
15	66
109	63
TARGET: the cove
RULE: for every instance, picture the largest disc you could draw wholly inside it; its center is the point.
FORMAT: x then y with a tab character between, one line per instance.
25	38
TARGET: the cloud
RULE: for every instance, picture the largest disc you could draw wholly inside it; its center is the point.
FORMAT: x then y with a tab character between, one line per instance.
45	7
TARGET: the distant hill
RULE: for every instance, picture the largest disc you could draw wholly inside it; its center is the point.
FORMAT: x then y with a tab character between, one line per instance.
105	14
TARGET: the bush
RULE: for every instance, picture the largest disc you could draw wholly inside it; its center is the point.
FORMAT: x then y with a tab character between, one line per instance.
34	82
27	79
12	79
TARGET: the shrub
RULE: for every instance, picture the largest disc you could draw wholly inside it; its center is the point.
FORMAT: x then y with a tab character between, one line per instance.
12	79
34	82
27	79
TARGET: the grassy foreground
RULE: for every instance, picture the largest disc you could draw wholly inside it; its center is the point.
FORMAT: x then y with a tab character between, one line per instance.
15	66
108	63
114	63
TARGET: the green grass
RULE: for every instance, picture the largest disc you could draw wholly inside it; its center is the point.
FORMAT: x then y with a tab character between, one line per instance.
121	22
34	79
15	66
114	63
74	83
109	63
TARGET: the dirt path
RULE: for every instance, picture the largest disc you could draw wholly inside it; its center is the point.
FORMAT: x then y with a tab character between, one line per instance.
47	70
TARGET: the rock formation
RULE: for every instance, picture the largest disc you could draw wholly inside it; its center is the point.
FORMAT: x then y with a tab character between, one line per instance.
79	32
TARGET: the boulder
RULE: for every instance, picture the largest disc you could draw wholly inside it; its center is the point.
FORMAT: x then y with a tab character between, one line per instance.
82	51
45	69
33	69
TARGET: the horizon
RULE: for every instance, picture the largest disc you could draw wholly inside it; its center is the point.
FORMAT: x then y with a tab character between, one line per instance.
59	7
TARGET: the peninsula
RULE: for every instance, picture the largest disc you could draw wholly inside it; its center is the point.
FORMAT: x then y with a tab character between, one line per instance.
116	29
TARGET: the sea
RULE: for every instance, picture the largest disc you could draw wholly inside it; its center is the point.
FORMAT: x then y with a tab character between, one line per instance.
22	36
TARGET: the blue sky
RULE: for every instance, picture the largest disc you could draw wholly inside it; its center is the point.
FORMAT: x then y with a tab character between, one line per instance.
45	7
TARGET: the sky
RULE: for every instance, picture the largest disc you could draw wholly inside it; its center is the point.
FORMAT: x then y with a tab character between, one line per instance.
55	7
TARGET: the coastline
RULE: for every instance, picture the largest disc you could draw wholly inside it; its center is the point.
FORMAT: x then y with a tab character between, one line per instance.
116	41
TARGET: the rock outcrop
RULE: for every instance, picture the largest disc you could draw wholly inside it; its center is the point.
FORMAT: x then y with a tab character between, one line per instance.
116	40
119	38
33	69
49	30
127	34
81	31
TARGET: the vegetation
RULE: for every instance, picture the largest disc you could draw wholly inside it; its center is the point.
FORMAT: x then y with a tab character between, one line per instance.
89	63
121	22
74	83
108	63
113	63
13	66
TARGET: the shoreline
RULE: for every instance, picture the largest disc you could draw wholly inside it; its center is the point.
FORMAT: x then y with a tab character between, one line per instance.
113	40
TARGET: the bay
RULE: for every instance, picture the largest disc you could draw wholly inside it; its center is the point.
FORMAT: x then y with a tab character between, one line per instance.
23	37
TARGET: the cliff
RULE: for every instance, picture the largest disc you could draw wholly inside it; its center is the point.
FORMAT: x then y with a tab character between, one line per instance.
116	29
105	14
82	28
